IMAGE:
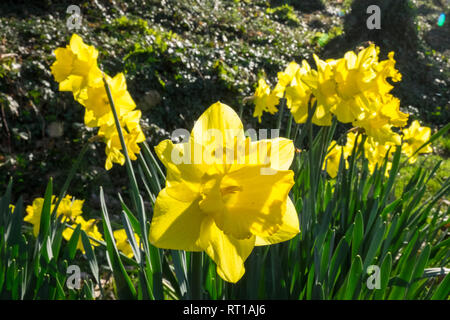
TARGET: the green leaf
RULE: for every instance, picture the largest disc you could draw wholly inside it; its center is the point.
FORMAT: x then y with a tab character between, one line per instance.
406	266
13	233
71	248
443	291
92	260
337	262
354	279
131	237
374	243
385	273
131	217
418	272
125	288
45	214
358	234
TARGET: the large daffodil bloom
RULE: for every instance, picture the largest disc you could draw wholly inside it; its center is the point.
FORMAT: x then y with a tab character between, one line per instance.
224	193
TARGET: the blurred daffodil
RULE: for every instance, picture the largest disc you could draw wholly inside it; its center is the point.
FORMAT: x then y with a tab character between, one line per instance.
264	99
34	214
377	153
333	159
68	207
413	138
122	242
90	227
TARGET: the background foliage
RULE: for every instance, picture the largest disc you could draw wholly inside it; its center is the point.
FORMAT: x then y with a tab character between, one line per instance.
181	56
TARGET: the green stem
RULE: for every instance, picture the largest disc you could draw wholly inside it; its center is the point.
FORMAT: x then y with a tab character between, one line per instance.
280	115
128	164
152	257
196	275
241	109
288	130
72	172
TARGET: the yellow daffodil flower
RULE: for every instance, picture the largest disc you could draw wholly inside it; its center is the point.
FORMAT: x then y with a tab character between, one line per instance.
264	99
114	147
34	214
90	227
376	127
353	75
333	158
323	86
390	109
67	207
76	68
122	242
376	153
98	111
413	138
386	69
298	95
285	78
224	208
70	208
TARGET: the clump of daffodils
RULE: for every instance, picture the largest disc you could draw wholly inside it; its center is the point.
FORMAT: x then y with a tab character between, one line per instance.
68	208
77	71
354	89
70	212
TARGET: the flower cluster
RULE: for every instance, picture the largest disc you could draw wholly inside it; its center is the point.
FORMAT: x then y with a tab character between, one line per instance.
414	137
70	211
354	89
76	70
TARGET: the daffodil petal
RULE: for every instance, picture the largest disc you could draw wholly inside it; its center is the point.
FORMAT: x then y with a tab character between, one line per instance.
183	179
219	125
289	227
175	224
227	252
253	203
281	153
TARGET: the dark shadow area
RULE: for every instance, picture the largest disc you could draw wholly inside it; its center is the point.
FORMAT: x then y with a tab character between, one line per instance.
24	8
419	90
439	38
397	24
306	6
